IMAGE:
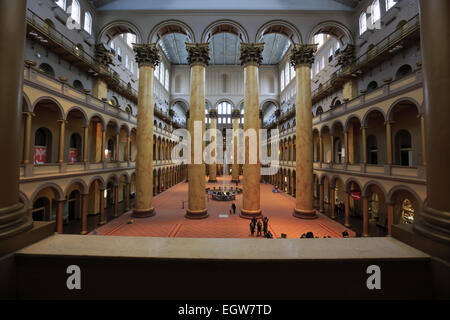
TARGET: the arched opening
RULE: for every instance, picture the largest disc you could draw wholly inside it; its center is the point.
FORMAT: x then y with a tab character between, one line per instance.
372	149
405	207
75	148
77	84
41	209
42	146
403	148
373	85
403	71
46	69
376	137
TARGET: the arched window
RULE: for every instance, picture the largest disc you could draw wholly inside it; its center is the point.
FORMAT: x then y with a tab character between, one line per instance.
75	13
61	4
78	85
156	72
286	74
166	80
372	149
88	22
282	79
372	86
319	111
390	4
375	11
403	148
127	64
242	116
47	69
42	146
118	52
403	71
75	148
362	23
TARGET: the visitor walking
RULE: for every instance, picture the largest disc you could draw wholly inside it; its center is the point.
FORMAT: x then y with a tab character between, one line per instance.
259	228
265	225
252	227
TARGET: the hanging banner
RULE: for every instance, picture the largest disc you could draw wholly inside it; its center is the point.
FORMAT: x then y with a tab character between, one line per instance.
40	155
355	195
73	155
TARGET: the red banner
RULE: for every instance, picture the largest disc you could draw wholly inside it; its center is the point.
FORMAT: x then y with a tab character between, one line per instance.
73	156
355	195
40	155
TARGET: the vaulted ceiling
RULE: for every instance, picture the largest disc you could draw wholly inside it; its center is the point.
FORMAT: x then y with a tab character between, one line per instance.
225	5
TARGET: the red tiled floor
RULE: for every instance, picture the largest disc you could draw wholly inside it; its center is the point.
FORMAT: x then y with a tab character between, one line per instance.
169	220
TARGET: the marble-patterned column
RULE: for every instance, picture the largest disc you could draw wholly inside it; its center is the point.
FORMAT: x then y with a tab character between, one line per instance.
198	58
27	137
433	219
365	201
59	216
213	165
147	57
116	200
364	144
388	143
332	148
236	116
62	133
390	216
103	144
347	210
102	206
85	144
251	58
346	155
84	198
302	57
333	201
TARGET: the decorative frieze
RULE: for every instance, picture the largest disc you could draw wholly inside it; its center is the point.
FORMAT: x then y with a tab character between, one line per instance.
303	54
251	53
198	53
146	54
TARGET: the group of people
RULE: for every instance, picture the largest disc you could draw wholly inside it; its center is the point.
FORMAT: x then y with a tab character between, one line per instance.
262	229
339	209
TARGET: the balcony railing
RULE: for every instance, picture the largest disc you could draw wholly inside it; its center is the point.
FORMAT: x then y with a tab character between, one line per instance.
54	37
366	60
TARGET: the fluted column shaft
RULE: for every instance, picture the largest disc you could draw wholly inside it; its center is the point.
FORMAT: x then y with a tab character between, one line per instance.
85	144
13	214
62	132
198	57
213	165
302	58
147	57
433	220
235	165
251	57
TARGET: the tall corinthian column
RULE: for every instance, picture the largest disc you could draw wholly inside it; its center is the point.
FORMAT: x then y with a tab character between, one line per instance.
213	165
147	57
235	115
302	57
198	57
251	58
13	213
433	221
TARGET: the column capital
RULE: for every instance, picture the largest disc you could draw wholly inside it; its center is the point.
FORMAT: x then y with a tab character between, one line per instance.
235	114
198	53
251	54
302	55
213	113
346	56
103	56
147	54
29	113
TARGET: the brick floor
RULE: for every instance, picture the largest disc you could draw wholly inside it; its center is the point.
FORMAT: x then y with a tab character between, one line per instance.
169	220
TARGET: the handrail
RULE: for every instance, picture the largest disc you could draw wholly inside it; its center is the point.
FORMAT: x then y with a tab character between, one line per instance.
53	34
398	34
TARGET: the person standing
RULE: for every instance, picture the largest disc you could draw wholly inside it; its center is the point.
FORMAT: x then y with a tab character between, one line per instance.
233	206
252	227
259	228
265	225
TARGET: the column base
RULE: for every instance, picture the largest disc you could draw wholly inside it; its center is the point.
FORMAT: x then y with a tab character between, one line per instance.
434	224
235	180
347	225
143	213
14	220
212	180
83	232
196	214
305	214
250	214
